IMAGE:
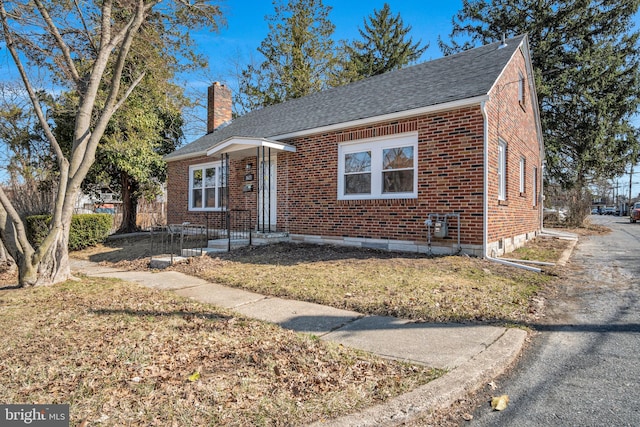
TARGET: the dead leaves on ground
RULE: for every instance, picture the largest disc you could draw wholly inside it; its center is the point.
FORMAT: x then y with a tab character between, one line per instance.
499	403
126	355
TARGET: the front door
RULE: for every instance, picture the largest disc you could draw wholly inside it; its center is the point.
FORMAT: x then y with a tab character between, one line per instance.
267	195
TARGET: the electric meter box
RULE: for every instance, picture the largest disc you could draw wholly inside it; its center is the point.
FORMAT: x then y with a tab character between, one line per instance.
440	229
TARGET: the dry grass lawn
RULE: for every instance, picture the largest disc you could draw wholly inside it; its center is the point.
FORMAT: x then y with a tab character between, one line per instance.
122	354
412	286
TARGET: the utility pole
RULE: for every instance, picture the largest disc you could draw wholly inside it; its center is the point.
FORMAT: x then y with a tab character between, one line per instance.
630	184
616	196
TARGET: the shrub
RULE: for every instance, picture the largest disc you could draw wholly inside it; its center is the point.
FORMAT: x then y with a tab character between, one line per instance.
86	229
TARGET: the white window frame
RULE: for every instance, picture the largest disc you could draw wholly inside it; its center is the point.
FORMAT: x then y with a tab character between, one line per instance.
535	186
523	166
219	166
376	146
502	170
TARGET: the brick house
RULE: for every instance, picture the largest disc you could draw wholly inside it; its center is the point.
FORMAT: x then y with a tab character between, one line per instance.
456	141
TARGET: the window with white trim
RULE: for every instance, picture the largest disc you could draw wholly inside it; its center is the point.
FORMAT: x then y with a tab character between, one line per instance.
207	190
535	186
502	170
378	169
523	166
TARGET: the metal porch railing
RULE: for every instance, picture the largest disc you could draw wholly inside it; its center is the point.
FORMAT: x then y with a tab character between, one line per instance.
176	240
234	225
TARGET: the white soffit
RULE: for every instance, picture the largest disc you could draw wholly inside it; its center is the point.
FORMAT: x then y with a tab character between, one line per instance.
238	147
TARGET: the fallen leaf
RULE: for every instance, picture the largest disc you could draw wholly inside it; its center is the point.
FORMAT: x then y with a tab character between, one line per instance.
194	377
500	403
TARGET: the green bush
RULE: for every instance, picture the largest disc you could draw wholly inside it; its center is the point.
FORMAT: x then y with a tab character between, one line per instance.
86	229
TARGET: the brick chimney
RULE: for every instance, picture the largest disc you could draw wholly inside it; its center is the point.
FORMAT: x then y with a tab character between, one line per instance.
218	106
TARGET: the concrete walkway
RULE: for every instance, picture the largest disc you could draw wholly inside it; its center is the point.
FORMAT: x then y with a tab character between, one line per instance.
473	354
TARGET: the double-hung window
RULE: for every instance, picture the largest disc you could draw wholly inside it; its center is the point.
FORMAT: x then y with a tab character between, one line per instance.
378	169
523	167
535	186
207	187
502	170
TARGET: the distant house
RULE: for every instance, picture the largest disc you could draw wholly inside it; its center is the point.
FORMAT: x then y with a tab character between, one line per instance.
455	140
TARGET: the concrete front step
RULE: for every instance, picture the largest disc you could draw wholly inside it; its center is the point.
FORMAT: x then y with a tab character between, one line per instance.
223	244
165	261
201	251
266	238
218	246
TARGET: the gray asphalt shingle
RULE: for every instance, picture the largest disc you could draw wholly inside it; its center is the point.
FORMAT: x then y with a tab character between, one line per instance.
451	78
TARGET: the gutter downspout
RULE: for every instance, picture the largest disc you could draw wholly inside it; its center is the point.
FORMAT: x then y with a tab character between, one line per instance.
485	207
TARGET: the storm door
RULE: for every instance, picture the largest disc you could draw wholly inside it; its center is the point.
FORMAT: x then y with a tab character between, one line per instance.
267	192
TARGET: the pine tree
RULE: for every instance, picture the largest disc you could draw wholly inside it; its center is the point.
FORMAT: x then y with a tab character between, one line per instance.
385	46
587	71
298	56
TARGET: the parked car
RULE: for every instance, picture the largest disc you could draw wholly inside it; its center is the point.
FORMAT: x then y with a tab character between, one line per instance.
595	211
609	210
634	215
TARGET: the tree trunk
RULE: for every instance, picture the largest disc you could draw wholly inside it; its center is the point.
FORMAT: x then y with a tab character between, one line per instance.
580	203
52	268
6	261
129	205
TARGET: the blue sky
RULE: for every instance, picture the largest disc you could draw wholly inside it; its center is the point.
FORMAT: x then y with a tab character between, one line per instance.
246	27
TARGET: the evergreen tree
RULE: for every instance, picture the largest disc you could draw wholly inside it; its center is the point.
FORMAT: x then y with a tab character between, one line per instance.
587	74
298	56
385	46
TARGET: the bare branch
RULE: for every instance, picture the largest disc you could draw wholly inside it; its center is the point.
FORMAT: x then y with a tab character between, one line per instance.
124	97
66	52
83	136
18	244
86	148
27	83
84	25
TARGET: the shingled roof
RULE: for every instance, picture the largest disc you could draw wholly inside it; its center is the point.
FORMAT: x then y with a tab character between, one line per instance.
465	75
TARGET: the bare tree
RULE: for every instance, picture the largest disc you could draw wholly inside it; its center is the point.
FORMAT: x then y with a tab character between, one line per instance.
82	47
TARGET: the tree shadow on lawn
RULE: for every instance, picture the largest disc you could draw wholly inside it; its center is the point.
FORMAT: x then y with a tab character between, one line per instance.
117	249
187	315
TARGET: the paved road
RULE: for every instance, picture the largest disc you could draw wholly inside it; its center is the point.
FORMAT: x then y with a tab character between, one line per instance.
583	369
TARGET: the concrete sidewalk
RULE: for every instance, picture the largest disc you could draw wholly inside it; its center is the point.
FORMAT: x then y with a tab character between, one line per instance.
473	354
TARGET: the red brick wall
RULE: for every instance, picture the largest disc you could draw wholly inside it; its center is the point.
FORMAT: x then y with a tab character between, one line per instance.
515	125
449	180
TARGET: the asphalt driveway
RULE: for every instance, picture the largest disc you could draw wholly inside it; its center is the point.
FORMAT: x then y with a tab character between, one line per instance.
584	367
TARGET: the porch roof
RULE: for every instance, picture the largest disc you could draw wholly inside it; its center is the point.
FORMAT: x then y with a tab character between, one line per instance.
240	147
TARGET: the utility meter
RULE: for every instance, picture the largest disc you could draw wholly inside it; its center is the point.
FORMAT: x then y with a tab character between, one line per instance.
440	229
